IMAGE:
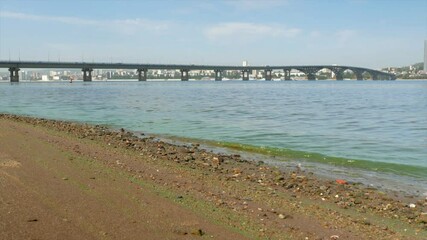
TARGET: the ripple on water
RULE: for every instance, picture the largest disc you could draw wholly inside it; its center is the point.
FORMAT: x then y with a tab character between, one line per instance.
375	121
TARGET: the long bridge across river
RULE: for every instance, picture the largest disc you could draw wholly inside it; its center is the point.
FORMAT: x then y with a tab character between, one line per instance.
142	69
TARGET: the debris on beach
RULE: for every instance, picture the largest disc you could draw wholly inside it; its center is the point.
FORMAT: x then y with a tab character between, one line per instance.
341	181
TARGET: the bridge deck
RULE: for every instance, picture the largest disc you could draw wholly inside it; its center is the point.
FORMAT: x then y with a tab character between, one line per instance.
308	69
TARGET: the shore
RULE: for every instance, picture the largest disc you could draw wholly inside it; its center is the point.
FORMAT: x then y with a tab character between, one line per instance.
62	180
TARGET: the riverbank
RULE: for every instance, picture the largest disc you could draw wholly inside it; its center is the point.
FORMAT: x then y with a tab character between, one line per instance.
393	178
72	181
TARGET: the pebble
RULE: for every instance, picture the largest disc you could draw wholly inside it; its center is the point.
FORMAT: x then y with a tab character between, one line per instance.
285	216
197	232
366	222
423	217
412	205
216	161
334	237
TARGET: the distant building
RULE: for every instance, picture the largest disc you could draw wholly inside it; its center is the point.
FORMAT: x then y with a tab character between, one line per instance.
24	75
245	63
425	56
109	75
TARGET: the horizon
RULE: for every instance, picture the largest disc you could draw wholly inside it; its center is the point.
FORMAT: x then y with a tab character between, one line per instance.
360	33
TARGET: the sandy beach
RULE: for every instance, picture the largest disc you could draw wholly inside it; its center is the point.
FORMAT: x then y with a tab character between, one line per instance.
62	180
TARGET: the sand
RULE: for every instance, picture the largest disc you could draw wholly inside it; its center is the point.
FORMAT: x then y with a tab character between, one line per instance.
62	180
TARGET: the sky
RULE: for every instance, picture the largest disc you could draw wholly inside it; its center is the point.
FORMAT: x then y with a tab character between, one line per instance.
364	33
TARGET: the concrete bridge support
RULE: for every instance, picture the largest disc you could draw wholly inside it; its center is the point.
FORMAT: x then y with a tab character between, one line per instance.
184	75
14	74
87	74
142	74
359	75
267	74
374	76
287	73
218	75
339	75
311	76
245	75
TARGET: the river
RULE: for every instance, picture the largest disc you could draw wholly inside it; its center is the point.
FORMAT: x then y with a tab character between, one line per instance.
379	126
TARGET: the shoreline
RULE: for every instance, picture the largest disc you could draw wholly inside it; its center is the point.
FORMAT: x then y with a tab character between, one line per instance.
296	193
389	181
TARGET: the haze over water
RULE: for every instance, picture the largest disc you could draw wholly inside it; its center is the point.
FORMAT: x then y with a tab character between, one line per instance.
376	121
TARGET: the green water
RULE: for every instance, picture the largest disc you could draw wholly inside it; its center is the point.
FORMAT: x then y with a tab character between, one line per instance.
400	169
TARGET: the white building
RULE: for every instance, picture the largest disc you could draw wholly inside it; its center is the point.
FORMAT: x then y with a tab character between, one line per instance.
24	75
254	73
245	63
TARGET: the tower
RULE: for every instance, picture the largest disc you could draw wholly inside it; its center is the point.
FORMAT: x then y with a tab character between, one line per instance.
425	56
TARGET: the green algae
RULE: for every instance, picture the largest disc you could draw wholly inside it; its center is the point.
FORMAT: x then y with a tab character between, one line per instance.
288	155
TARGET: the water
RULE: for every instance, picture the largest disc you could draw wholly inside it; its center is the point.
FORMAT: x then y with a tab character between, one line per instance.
376	125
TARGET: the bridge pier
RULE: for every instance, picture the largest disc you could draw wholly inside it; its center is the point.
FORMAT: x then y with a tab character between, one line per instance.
287	74
218	75
14	74
311	76
267	74
339	76
374	76
359	76
87	74
245	75
184	75
142	74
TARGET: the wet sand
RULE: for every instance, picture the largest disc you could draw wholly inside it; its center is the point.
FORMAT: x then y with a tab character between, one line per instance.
61	180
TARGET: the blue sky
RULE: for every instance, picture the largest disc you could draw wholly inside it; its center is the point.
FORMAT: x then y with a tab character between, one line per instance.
368	33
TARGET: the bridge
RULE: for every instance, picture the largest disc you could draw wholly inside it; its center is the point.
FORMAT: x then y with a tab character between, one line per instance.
142	69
